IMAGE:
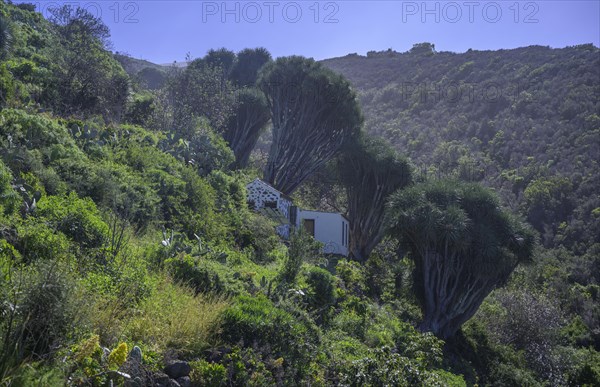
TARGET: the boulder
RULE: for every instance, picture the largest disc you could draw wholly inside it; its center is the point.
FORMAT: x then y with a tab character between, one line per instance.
162	380
177	369
135	355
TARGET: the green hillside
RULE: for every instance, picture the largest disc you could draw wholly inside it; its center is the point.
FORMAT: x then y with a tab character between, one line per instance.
525	121
129	256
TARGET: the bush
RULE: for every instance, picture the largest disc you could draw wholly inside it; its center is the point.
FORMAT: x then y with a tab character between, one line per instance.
230	199
256	322
7	88
240	367
321	285
78	218
529	323
32	131
352	276
39	242
258	233
382	367
45	311
303	248
140	110
588	371
203	275
208	374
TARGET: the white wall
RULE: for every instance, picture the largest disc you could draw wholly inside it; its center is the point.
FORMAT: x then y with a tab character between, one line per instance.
328	230
260	192
329	227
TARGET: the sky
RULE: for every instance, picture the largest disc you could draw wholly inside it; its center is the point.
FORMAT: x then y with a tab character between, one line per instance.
167	31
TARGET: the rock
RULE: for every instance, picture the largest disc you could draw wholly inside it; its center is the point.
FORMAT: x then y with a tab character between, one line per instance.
135	355
105	354
177	369
161	380
135	382
184	381
173	383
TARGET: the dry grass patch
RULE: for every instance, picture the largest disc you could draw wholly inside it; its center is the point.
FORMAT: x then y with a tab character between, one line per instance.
173	317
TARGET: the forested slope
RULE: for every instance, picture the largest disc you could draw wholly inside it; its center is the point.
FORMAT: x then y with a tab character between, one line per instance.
526	121
129	256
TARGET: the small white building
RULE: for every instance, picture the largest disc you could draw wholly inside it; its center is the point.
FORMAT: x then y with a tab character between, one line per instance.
274	204
329	228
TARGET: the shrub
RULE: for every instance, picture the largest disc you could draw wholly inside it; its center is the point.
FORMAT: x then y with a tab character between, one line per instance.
588	371
203	275
321	286
32	131
382	367
230	199
22	69
117	356
7	88
35	374
140	110
351	323
530	323
256	322
303	248
240	367
352	276
46	310
78	218
208	374
39	242
258	233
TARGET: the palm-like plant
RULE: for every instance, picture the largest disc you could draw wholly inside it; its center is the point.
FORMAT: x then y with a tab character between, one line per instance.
463	246
247	124
370	170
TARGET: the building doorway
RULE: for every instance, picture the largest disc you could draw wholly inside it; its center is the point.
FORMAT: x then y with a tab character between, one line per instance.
309	226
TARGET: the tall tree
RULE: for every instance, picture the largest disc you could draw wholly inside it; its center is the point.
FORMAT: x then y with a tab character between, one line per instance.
222	58
199	91
463	246
370	170
90	80
314	113
245	126
247	65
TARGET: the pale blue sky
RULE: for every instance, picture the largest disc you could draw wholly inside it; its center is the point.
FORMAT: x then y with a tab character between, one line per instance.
164	31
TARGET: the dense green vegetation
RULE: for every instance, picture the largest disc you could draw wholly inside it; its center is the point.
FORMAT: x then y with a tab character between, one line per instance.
524	121
126	242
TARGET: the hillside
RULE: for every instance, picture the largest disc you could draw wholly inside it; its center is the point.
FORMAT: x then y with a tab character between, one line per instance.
129	255
516	119
150	75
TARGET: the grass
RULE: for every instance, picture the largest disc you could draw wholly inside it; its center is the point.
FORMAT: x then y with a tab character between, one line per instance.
173	317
